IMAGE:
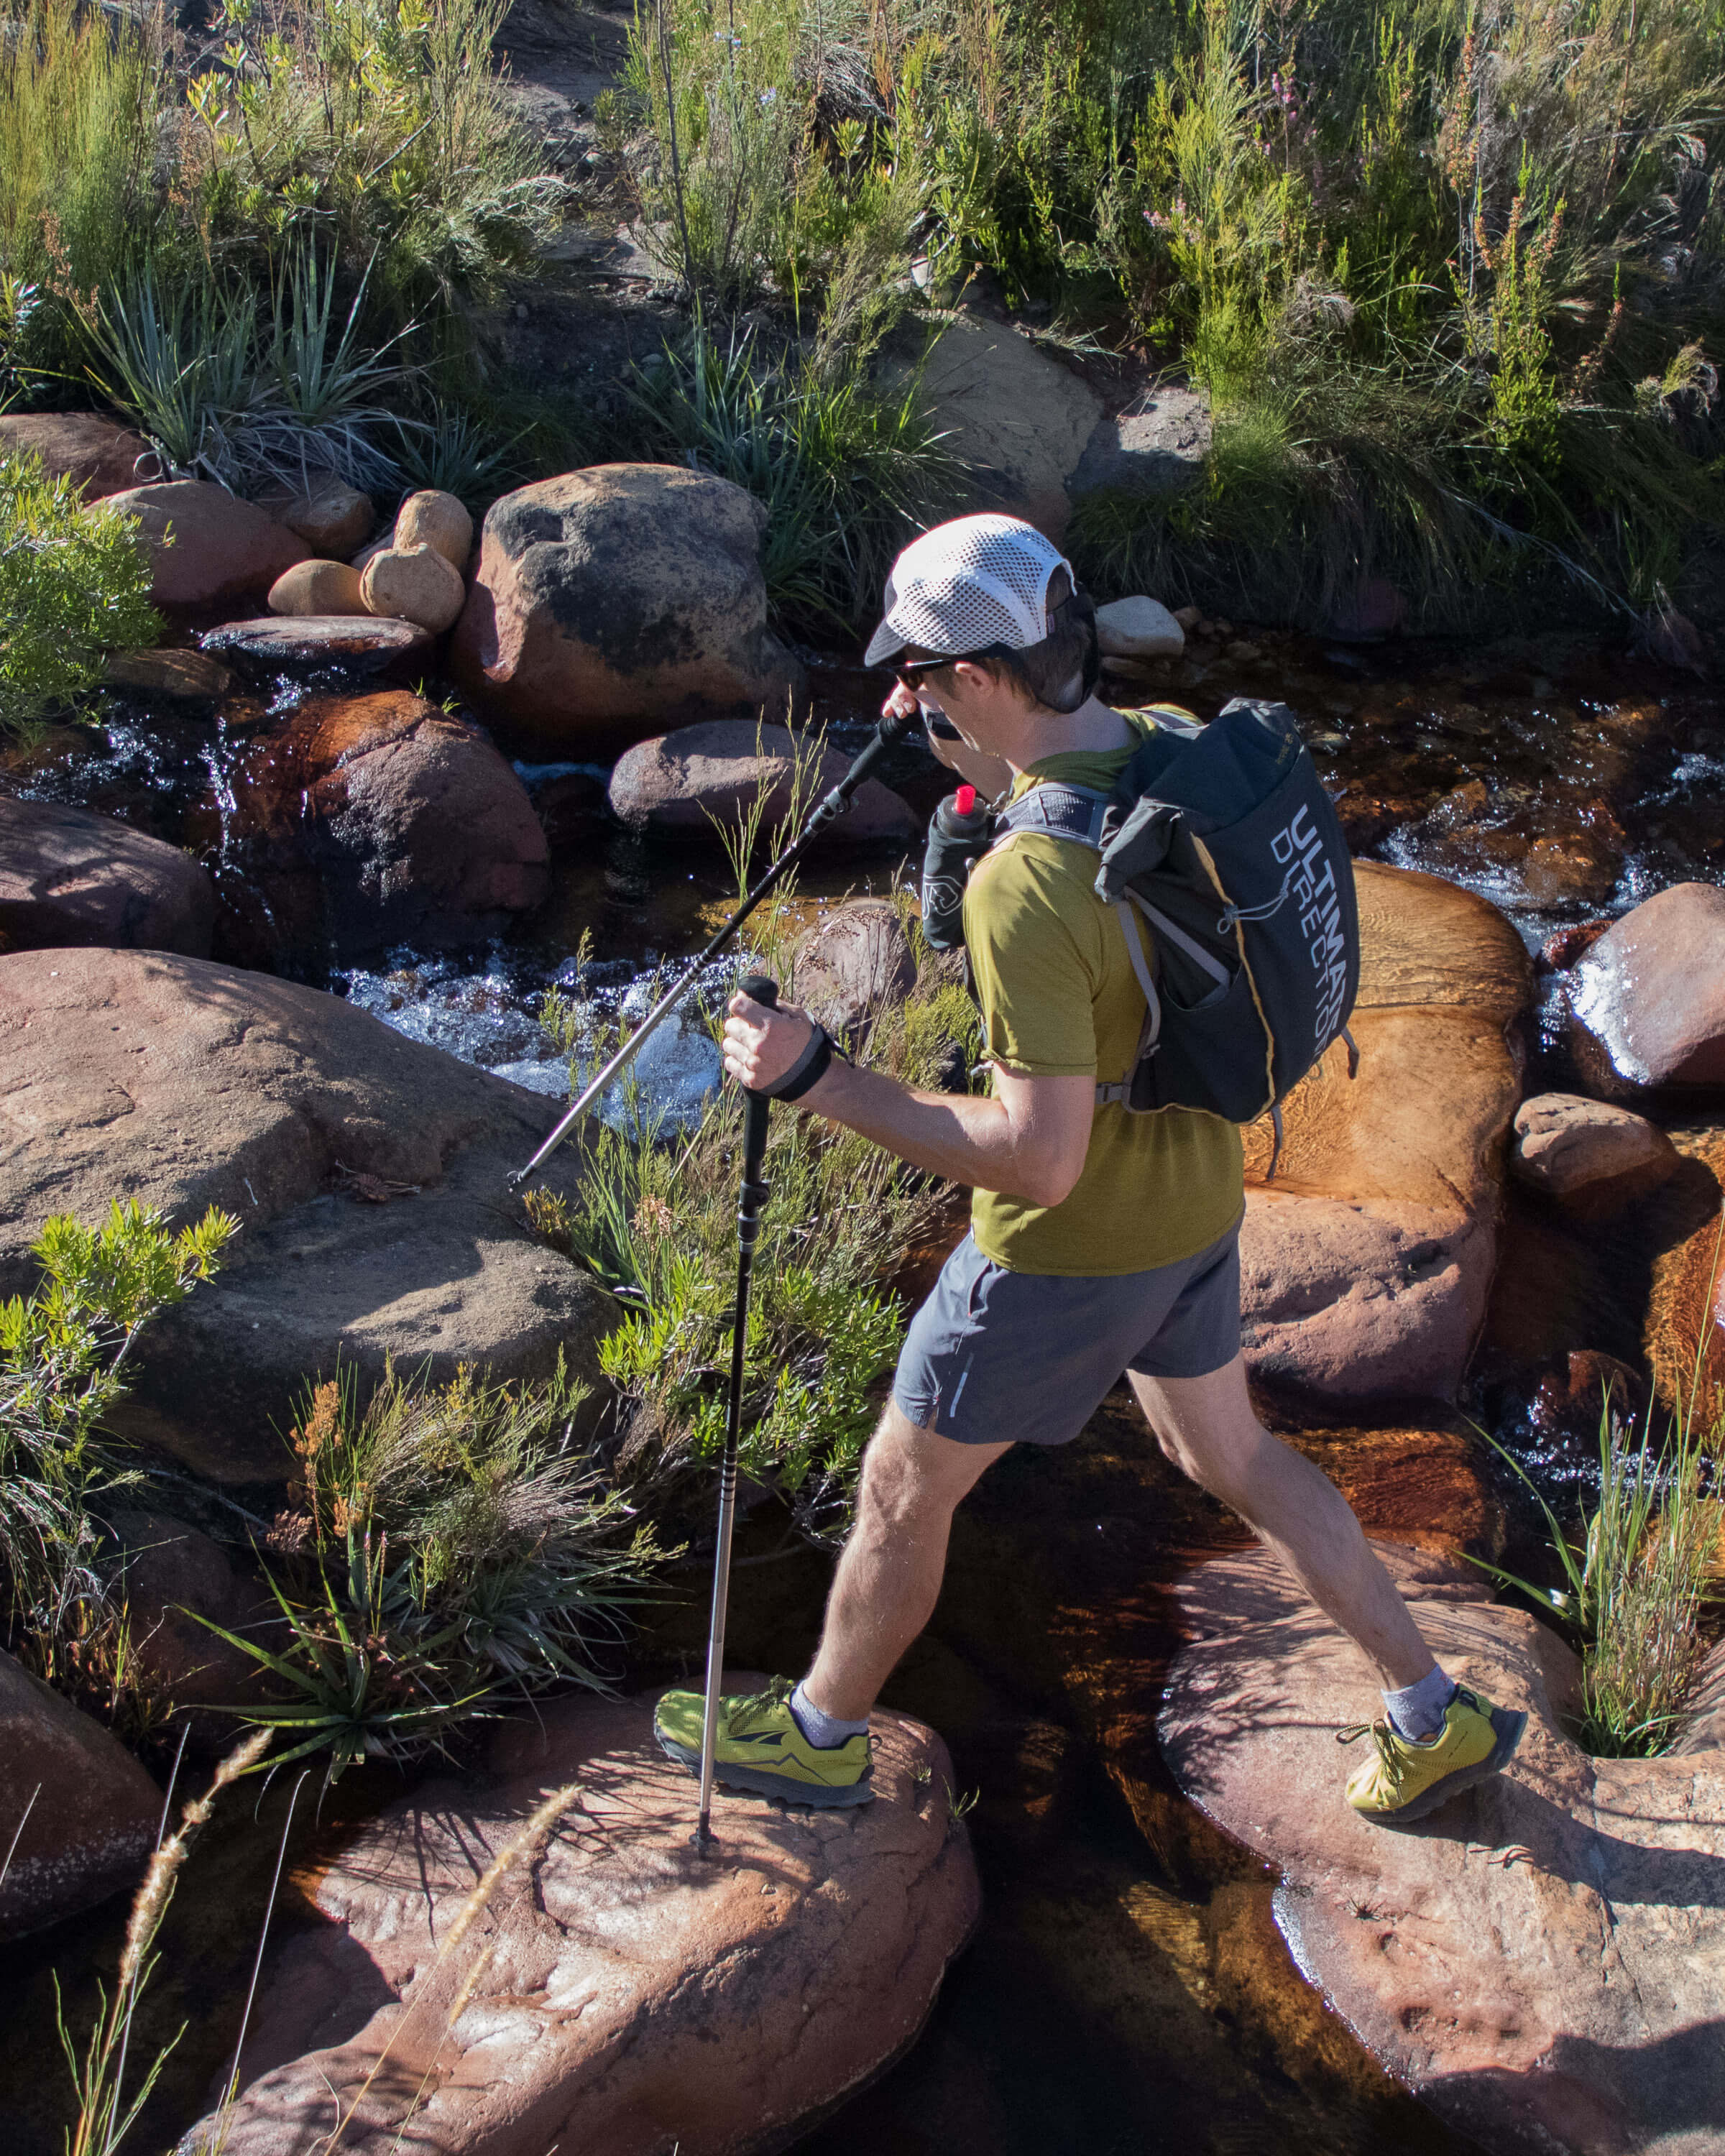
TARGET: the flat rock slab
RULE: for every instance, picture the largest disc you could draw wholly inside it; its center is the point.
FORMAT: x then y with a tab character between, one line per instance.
355	646
70	876
619	1995
1542	1960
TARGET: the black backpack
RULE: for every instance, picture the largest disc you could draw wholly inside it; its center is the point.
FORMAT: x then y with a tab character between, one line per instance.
1222	838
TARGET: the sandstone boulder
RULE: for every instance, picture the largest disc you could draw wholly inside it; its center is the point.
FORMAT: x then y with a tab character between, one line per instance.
683	785
1540	1961
84	1811
330	517
68	876
1368	1261
612	603
364	821
318	587
99	456
413	583
439	520
1156	444
205	544
1138	629
1019	419
186	677
851	964
1647	1000
352	647
1685	1331
1592	1158
618	1993
186	1085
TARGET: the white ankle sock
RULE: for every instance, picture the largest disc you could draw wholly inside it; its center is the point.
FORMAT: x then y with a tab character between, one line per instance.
825	1732
1417	1711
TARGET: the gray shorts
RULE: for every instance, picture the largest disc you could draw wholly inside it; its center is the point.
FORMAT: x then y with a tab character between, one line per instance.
995	1356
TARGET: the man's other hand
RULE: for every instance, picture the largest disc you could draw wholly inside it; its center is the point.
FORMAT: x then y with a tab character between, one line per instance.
761	1045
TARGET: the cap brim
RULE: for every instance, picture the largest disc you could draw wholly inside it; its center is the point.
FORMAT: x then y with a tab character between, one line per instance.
887	643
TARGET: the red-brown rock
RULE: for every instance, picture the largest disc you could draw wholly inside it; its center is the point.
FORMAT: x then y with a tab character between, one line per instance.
1564	945
1540	1961
851	964
171	1575
363	821
206	545
69	876
619	1993
84	1811
1684	1337
700	780
612	603
330	517
1592	1158
185	1085
1648	999
1367	1263
99	456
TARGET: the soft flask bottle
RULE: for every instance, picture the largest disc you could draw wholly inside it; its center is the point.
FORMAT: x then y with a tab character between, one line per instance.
961	830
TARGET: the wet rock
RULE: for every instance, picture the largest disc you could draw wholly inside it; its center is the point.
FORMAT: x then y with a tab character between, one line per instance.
1594	1158
364	821
351	647
187	677
318	589
84	1811
330	517
1020	420
758	1991
1424	1486
68	876
1541	1961
1673	639
1565	1410
1581	868
851	964
186	1084
413	583
1368	1263
1156	445
1138	629
206	545
1564	945
98	455
701	779
1647	1000
437	521
611	603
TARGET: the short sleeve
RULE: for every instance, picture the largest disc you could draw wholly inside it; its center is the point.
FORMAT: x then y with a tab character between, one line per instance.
1033	931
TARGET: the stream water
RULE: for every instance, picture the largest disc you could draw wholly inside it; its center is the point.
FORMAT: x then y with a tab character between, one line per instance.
1129	1990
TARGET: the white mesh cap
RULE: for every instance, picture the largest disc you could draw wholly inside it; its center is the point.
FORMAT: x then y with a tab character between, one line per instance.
977	581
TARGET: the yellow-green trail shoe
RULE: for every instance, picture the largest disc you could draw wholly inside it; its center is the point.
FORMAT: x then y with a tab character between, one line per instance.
1403	1780
759	1747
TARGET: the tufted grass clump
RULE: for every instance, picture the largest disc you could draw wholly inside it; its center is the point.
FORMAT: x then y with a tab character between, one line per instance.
443	1551
74	584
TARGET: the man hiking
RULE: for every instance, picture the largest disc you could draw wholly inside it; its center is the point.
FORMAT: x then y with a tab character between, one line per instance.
1101	1242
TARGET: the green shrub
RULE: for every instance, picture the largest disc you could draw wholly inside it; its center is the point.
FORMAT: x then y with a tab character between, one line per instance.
74	583
444	1550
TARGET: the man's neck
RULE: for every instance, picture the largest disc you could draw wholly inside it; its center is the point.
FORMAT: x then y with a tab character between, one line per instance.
1095	725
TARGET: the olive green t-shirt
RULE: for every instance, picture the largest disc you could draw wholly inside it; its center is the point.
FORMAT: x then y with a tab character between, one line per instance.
1060	998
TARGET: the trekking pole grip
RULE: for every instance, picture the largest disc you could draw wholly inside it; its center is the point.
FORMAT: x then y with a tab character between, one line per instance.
760	988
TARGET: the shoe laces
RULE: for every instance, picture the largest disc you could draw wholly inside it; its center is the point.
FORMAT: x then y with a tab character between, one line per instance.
1384	1738
759	1706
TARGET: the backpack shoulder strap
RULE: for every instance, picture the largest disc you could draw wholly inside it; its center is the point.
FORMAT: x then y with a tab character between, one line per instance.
1062	812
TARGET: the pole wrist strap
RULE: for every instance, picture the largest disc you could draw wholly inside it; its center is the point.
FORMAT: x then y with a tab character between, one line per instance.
810	1067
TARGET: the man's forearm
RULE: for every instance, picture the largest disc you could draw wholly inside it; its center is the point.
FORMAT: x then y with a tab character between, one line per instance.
963	1137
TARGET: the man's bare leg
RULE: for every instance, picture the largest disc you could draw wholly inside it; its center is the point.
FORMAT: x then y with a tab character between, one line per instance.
1206	1426
889	1575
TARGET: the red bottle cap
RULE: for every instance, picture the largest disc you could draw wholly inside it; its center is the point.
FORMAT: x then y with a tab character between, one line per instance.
964	801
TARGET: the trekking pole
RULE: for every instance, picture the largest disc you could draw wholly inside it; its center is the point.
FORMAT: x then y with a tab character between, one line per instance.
751	1196
827	810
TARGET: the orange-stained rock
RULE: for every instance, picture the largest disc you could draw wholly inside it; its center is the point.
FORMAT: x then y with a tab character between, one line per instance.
617	1992
433	518
1541	1960
70	876
186	1084
611	604
1368	1262
705	779
318	587
99	456
363	821
205	544
1647	1000
84	1811
1685	1334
